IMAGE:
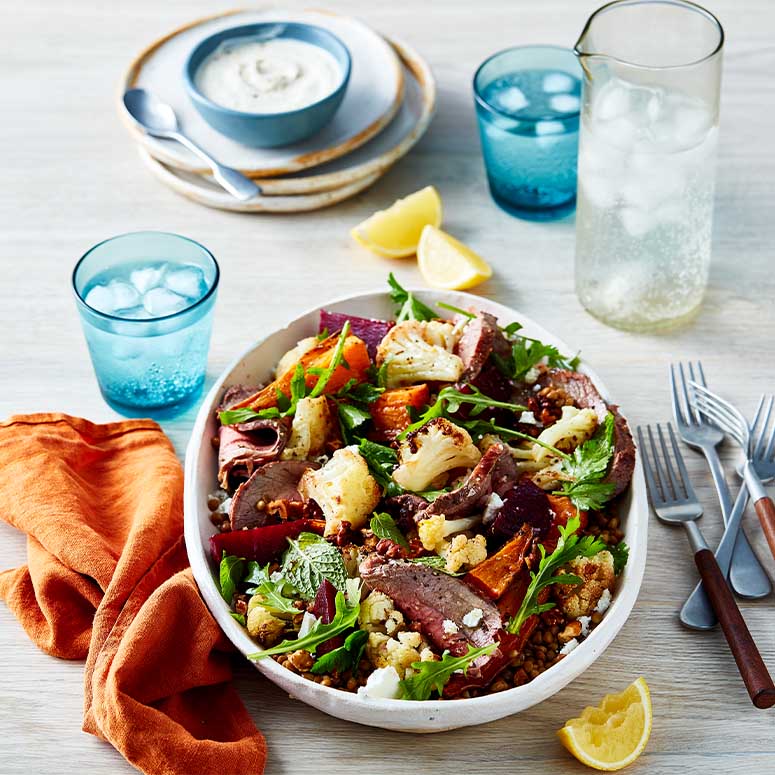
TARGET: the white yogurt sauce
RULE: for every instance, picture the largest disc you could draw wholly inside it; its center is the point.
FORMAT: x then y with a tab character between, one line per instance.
269	76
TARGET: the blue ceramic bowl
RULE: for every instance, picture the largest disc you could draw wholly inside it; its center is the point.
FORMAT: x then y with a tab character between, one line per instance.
268	130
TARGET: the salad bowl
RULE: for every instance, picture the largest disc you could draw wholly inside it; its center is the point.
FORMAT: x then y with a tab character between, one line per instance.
256	365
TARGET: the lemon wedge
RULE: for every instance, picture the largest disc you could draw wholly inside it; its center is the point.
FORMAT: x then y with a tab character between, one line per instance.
395	232
447	263
613	734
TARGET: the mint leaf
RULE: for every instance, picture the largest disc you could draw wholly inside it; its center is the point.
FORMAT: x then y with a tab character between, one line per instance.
384	526
230	575
308	561
344	618
433	676
346	657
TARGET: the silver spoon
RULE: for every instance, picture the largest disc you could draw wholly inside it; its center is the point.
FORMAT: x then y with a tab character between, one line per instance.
159	120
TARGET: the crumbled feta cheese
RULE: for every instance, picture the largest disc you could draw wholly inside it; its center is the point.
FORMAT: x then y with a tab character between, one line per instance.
604	602
383	683
536	388
308	622
449	627
225	506
584	622
473	617
528	418
569	646
494	502
532	375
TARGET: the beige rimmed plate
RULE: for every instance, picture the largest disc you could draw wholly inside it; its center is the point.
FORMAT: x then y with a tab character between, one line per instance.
373	97
340	177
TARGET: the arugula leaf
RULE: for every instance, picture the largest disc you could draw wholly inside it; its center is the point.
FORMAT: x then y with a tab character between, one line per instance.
351	417
238	618
231	571
511	329
234	416
408	307
384	526
527	353
587	467
344	618
430	676
382	373
310	559
271	593
381	461
435	562
255	575
621	553
453	308
322	335
337	360
569	547
346	657
360	393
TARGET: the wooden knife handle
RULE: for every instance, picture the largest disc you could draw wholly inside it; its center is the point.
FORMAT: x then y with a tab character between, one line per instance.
749	661
765	509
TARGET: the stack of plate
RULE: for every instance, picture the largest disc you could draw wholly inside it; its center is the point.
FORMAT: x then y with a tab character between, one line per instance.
387	108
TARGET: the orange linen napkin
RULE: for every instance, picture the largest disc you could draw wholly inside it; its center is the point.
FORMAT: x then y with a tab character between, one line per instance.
107	578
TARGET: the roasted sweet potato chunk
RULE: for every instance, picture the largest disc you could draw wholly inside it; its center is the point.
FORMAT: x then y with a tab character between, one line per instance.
494	576
389	412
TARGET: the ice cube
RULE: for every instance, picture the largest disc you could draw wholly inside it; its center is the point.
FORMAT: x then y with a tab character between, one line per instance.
162	301
619	132
601	190
554	83
636	222
134	313
101	299
565	103
187	281
124	294
612	101
549	128
147	277
509	100
647	187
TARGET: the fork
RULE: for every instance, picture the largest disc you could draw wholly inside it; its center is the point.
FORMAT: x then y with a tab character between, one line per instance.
746	575
759	463
675	502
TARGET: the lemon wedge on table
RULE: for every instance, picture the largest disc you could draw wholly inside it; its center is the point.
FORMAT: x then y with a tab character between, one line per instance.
395	232
447	263
613	734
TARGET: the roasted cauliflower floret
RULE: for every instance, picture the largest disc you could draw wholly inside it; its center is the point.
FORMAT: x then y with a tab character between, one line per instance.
431	532
464	553
573	428
343	488
293	356
430	451
379	614
597	576
398	652
264	627
420	351
312	425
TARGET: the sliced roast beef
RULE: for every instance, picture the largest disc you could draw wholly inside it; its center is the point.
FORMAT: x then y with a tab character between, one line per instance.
481	337
585	395
235	394
495	472
430	598
270	487
244	447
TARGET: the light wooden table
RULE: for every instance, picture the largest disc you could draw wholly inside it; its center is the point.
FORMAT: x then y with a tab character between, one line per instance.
71	177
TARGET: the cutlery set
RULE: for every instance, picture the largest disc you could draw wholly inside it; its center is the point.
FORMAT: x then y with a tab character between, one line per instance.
703	419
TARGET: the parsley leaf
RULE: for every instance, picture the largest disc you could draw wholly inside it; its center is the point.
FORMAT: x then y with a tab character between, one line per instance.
384	526
569	547
382	461
308	561
621	553
346	657
587	466
345	617
408	307
230	574
527	353
430	676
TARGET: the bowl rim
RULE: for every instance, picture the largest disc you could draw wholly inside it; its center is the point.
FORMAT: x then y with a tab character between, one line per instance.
486	707
248	31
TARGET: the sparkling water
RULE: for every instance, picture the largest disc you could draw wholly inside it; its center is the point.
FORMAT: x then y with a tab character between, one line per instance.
645	204
530	141
152	353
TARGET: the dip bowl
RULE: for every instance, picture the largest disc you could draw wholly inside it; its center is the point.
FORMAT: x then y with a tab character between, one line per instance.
268	130
256	365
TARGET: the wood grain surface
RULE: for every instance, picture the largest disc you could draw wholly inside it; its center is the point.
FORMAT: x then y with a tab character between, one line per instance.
71	178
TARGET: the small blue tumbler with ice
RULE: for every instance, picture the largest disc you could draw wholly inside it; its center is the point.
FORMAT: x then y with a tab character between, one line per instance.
528	101
146	304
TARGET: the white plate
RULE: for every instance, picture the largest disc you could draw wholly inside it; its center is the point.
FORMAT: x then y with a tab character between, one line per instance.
340	178
373	96
255	365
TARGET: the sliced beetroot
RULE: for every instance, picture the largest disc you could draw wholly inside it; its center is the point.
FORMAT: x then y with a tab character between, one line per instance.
371	331
262	544
524	503
324	608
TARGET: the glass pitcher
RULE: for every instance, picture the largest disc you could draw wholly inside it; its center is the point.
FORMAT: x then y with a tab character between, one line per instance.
649	125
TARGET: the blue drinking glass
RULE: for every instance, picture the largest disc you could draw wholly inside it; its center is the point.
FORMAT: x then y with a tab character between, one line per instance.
146	305
528	101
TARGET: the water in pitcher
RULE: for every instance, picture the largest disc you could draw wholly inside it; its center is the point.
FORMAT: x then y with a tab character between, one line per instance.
645	201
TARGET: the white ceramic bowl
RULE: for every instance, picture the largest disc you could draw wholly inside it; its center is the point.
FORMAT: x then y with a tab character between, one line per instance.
256	365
